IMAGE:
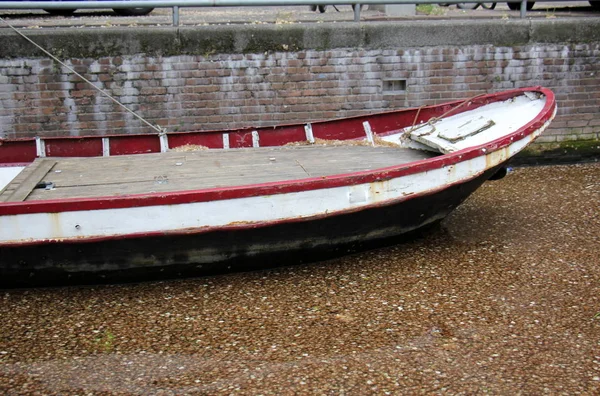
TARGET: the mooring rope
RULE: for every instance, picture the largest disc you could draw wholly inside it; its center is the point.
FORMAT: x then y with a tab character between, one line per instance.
157	128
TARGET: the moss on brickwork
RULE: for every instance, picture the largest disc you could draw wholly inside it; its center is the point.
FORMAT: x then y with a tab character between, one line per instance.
446	33
567	151
563	31
265	38
82	43
197	41
278	38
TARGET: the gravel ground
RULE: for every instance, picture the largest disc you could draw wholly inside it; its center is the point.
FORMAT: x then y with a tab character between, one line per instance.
280	15
503	298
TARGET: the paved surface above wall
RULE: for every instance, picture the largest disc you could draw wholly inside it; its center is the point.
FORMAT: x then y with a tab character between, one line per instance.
235	39
284	15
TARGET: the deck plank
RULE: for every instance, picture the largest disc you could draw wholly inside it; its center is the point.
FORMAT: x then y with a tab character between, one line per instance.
24	184
180	171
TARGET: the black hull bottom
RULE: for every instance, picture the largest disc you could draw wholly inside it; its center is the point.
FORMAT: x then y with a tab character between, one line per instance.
166	257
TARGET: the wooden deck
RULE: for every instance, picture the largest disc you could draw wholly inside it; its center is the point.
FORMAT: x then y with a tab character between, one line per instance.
179	171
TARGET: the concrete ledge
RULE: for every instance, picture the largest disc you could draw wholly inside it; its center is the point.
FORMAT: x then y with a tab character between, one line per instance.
90	43
158	41
565	30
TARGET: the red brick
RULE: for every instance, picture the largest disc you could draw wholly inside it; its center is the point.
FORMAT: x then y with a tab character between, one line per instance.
313	85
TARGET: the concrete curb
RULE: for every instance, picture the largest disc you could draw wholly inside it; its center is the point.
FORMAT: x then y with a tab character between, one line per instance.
228	39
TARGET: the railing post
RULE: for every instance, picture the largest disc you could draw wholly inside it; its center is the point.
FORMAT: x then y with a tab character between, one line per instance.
356	8
523	8
175	15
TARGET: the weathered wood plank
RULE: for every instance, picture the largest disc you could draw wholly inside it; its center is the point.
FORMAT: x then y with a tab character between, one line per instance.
21	187
178	171
75	172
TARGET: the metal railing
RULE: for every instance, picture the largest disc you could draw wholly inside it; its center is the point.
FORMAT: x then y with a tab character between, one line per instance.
176	4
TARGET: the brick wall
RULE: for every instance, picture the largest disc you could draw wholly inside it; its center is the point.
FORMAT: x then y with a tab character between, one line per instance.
215	91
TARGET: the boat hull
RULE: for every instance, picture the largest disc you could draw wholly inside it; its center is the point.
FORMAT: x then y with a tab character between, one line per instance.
249	208
167	256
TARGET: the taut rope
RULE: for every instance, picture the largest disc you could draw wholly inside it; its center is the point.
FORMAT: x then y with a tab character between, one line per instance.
157	128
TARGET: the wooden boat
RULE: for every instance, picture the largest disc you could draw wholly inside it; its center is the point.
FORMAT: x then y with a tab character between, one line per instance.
90	208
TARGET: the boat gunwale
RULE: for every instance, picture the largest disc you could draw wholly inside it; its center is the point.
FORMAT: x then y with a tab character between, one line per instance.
292	186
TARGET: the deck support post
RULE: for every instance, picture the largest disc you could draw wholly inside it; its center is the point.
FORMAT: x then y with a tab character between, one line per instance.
225	140
369	133
105	147
164	142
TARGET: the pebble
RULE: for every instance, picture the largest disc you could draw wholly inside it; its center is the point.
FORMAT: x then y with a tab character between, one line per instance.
504	297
